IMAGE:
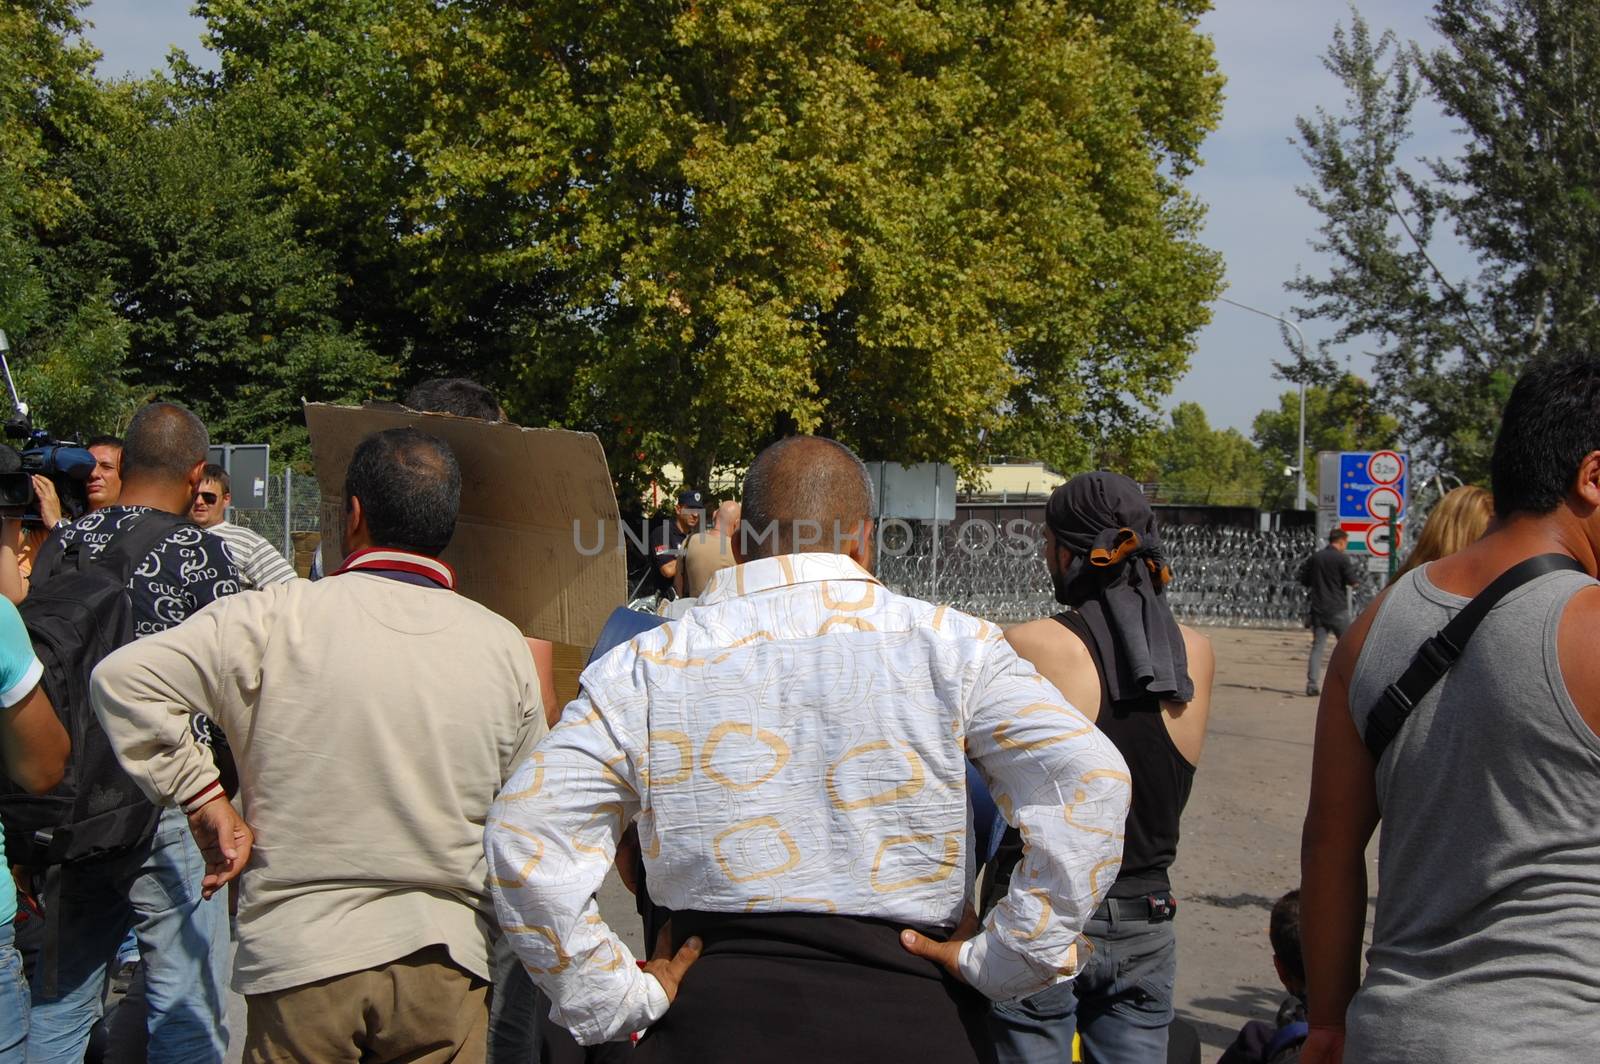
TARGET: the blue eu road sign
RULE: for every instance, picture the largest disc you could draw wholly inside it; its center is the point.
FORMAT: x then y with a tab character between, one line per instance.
1372	484
1372	488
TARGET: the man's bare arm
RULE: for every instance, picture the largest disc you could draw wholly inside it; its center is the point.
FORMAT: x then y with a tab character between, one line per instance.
1187	721
1580	665
544	665
1340	820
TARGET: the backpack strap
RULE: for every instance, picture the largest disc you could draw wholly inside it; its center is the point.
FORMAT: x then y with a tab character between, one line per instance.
1442	649
48	560
127	551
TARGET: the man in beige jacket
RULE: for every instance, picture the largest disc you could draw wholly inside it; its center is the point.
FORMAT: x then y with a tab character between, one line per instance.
374	715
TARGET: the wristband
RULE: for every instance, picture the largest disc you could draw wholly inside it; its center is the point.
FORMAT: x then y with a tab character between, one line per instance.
204	796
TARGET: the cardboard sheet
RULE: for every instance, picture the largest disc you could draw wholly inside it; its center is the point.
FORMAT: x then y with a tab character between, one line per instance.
532	501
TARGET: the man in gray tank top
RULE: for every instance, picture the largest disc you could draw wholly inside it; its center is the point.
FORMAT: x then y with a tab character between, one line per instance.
1486	939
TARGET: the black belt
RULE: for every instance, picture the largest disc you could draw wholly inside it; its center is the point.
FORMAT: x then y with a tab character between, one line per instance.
1154	908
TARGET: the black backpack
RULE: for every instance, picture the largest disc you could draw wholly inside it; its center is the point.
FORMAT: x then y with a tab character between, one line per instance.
78	610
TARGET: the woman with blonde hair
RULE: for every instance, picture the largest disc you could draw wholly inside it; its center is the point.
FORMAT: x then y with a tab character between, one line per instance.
1460	518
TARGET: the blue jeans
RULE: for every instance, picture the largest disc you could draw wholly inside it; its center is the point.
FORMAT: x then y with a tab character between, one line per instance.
13	994
184	941
513	1008
1120	1003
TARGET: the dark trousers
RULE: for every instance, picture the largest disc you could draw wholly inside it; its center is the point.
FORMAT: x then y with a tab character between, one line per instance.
1321	629
779	987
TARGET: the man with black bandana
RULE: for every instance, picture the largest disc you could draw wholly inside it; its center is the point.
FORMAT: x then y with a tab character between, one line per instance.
1118	655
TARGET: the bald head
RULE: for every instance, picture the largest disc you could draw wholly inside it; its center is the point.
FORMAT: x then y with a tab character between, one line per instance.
726	519
805	494
165	445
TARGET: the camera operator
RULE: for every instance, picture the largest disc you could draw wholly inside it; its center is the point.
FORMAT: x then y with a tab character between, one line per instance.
104	486
21	536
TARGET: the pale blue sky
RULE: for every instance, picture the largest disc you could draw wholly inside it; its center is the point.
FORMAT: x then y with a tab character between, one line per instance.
1269	50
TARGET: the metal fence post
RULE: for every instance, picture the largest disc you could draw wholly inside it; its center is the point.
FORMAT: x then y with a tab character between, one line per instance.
288	511
1394	546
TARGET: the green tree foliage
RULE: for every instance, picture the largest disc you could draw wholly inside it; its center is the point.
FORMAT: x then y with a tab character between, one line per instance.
1199	464
228	309
692	227
67	353
1341	415
145	254
1521	78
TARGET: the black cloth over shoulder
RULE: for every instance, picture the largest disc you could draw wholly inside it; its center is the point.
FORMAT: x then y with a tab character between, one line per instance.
776	988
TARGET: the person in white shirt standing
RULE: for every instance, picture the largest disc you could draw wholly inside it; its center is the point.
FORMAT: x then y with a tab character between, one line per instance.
258	561
374	715
794	751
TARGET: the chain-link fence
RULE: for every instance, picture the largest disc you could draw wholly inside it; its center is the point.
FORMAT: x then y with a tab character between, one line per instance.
293	518
1227	577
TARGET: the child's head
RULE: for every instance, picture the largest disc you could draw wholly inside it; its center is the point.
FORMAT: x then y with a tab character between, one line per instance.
1285	934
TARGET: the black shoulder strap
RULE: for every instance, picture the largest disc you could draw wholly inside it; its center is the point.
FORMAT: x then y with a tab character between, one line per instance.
128	549
1443	648
49	556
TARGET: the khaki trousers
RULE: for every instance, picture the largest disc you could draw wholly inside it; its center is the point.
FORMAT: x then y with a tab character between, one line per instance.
421	1008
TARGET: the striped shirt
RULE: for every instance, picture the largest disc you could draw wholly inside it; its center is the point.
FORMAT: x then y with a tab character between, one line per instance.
258	561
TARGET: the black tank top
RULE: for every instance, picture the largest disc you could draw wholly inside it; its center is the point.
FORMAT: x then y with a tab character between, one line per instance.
1162	778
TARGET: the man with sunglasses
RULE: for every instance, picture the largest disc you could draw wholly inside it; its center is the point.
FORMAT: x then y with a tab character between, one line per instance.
259	562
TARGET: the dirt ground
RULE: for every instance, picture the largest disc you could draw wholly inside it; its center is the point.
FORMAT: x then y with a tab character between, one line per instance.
1240	847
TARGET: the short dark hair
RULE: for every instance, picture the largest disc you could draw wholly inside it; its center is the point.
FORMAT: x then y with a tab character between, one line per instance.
410	489
212	471
455	395
165	441
1284	931
1336	534
799	488
104	441
1550	424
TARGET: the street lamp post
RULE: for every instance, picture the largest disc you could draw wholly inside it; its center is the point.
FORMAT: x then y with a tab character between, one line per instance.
1300	466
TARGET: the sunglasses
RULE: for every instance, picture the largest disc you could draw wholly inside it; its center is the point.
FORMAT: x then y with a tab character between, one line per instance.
208	497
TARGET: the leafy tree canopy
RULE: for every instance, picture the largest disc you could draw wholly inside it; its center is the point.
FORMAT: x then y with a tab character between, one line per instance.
930	230
1521	78
1341	415
693	227
1199	464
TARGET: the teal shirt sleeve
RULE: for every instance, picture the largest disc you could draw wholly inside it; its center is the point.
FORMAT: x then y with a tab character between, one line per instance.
20	670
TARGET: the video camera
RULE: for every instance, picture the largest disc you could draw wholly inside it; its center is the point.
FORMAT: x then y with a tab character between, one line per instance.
66	464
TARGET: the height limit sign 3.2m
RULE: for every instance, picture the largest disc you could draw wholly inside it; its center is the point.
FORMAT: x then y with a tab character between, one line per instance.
1372	491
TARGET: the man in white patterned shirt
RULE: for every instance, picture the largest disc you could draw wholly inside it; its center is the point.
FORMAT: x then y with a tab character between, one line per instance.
260	564
794	751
